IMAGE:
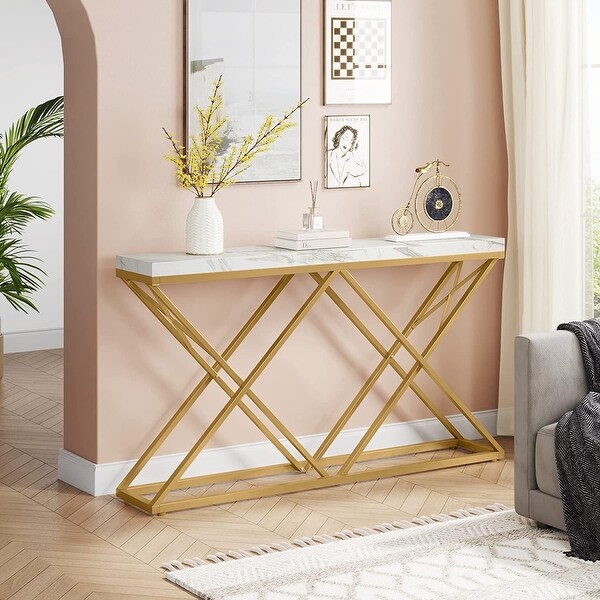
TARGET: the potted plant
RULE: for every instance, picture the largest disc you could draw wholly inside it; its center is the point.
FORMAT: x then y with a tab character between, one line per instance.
20	273
201	170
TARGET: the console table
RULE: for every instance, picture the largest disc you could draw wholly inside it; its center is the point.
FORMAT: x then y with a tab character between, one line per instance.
469	260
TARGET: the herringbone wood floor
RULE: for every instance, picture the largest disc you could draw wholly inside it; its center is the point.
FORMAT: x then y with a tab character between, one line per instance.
57	542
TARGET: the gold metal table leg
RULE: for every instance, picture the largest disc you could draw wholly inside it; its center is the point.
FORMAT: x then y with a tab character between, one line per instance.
236	397
192	332
388	359
421	363
197	391
153	497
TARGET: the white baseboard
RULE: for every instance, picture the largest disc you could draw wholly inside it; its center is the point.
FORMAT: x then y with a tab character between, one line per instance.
101	479
28	341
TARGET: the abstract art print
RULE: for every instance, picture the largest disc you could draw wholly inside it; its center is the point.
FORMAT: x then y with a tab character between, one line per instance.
255	46
358	52
347	152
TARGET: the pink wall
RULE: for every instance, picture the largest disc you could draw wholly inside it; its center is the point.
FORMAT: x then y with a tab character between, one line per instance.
446	103
81	226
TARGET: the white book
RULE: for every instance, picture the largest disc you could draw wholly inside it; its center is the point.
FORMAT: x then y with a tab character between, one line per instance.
312	244
312	234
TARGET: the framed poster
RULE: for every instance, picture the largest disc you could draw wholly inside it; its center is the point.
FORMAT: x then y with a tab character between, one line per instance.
255	46
358	52
347	151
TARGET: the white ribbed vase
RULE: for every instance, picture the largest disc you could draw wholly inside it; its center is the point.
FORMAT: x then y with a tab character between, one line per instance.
204	228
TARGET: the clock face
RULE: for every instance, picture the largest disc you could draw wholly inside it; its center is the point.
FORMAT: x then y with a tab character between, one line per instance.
438	204
402	221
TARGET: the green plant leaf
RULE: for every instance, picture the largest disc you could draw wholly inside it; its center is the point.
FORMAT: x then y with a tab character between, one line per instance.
43	121
20	275
20	272
18	210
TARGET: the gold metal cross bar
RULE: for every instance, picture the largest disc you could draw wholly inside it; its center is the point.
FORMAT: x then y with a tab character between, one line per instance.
312	470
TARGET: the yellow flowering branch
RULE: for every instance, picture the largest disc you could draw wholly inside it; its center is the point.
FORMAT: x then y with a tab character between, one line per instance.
196	167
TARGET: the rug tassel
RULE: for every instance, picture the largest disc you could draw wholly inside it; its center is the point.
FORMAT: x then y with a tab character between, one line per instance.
345	534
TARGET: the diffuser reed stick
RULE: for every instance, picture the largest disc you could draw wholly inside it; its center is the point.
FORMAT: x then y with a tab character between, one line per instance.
312	219
314	190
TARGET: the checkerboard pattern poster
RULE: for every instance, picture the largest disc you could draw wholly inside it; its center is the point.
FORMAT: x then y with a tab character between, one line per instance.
358	52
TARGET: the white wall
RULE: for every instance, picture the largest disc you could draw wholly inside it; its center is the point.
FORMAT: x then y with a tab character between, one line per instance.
31	71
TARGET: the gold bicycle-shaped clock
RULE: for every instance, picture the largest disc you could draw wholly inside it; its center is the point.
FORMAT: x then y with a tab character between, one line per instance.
437	202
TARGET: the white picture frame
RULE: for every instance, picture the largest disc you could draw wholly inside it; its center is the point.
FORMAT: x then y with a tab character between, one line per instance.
347	151
357	56
255	45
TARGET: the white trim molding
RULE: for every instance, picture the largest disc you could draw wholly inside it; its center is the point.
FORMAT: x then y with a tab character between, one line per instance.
28	341
102	479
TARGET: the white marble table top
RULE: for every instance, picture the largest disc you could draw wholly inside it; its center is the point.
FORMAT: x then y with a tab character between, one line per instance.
258	260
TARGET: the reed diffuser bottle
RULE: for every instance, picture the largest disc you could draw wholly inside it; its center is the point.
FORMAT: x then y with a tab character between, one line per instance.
312	219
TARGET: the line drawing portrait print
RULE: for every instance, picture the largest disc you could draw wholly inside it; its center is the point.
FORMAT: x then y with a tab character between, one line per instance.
345	165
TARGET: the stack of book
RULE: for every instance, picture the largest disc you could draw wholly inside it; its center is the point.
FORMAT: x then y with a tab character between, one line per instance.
312	239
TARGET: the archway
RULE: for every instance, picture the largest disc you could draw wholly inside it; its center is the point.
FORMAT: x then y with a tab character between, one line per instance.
81	197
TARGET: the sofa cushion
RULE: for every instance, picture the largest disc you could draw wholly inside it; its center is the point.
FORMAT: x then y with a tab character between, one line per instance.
545	462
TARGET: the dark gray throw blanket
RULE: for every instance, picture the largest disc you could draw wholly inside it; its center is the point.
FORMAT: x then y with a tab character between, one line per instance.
578	452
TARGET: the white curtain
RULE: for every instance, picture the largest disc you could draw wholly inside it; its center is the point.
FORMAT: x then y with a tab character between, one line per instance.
542	43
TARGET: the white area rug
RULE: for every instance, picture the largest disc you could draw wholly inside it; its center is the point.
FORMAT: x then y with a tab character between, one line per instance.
492	555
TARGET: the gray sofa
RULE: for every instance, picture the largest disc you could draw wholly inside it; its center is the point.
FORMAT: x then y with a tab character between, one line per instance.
549	380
